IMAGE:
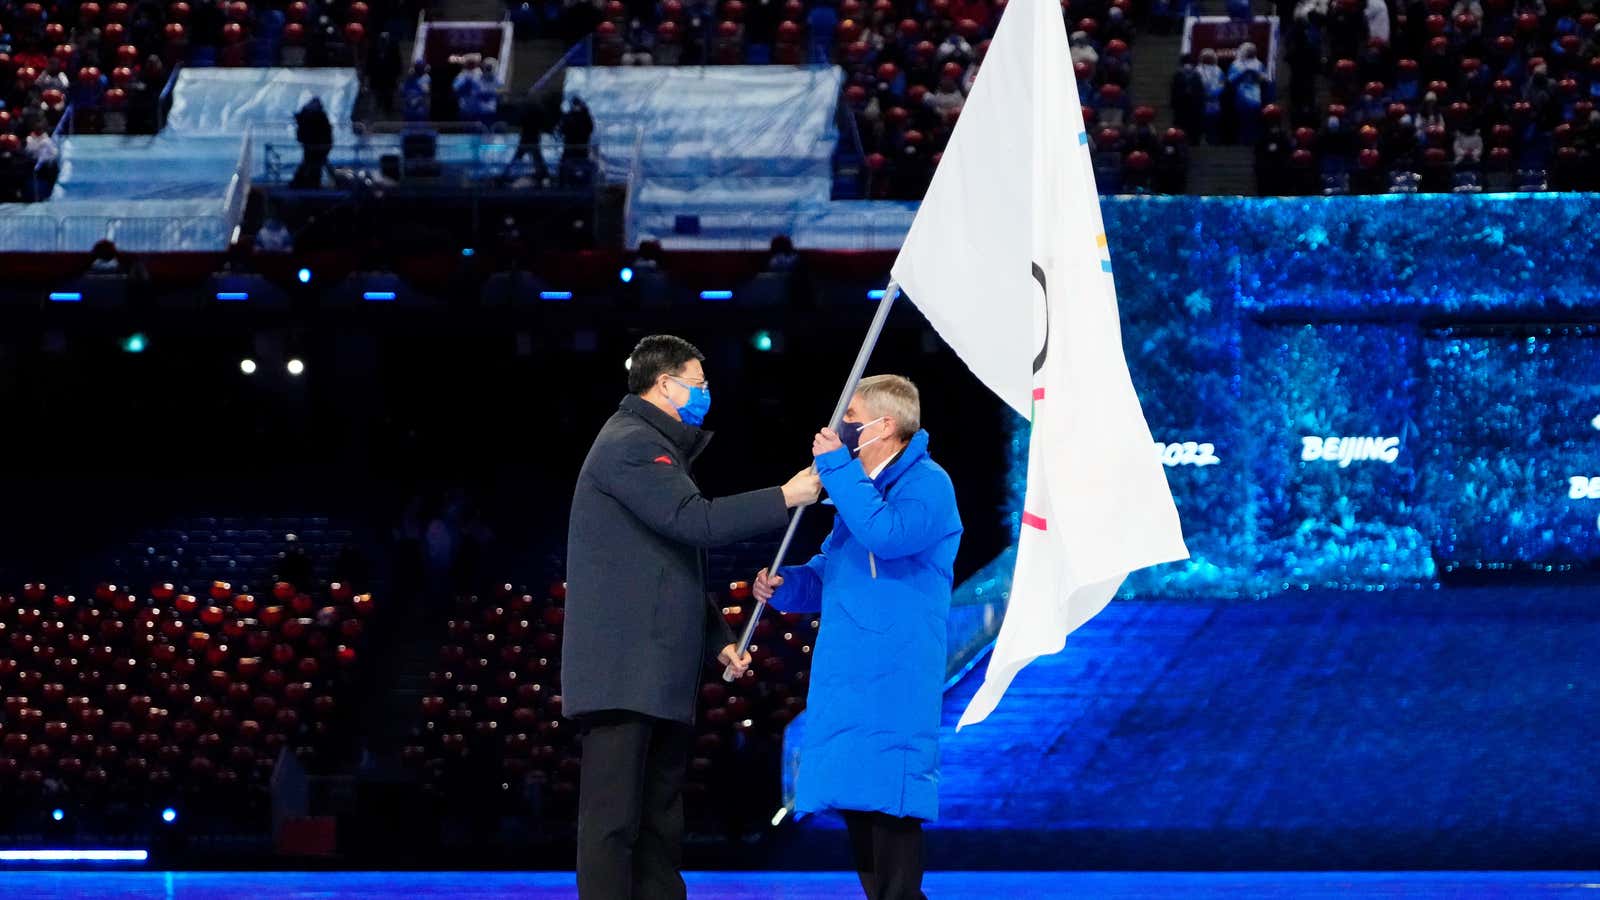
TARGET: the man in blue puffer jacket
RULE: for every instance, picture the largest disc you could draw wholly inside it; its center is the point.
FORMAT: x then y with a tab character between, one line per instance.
882	584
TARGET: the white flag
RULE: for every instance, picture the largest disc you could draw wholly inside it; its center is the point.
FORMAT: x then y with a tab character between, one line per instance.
1007	258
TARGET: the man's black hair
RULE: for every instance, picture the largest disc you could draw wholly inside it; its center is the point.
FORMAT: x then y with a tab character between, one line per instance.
657	355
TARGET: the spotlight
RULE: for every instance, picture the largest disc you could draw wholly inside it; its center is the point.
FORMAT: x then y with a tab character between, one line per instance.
626	274
555	295
135	343
296	367
304	275
467	251
58	814
169	815
247	366
716	295
875	295
66	297
762	340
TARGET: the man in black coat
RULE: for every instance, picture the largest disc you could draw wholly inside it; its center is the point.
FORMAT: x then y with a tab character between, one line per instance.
640	626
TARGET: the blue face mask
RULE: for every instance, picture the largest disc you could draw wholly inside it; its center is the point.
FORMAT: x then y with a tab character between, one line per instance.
694	412
850	434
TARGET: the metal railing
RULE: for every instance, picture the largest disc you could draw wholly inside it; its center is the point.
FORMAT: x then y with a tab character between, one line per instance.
490	156
141	234
164	102
630	237
238	193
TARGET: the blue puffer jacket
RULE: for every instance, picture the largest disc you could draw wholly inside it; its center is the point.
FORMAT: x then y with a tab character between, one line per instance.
882	584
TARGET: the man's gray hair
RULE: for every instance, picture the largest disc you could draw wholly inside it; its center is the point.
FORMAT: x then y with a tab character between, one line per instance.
894	396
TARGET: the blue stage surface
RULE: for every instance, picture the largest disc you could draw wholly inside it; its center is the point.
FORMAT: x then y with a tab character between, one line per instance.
1404	729
797	885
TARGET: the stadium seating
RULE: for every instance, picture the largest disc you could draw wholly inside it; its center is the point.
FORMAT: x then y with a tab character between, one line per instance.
125	699
492	727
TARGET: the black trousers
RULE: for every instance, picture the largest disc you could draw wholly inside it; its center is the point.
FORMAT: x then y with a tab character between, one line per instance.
888	854
630	807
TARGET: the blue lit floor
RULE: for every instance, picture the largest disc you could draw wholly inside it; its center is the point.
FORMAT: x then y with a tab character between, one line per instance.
795	886
1413	730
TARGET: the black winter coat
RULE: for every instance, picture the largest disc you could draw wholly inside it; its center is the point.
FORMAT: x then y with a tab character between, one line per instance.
639	623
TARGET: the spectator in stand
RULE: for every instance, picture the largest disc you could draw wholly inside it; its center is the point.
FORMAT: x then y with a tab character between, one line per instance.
1336	142
52	78
1083	49
416	95
488	91
1347	28
468	89
1246	76
1468	147
1272	154
782	256
1111	106
1117	28
383	71
538	119
955	49
639	43
1213	82
1377	15
577	130
1304	56
144	97
46	158
1172	162
315	134
1188	97
446	106
274	237
16	170
948	98
103	259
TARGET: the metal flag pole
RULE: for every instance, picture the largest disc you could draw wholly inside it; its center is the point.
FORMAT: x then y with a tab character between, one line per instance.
873	332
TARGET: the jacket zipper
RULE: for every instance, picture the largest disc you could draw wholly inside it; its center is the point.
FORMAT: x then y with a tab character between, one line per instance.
872	562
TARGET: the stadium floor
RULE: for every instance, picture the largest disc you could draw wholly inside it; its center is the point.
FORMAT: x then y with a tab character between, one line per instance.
1435	730
796	886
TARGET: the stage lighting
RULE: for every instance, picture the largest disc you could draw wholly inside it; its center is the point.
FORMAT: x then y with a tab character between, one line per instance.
232	296
296	367
66	297
58	814
875	295
247	366
169	815
555	295
467	251
377	295
135	343
73	855
305	276
716	295
762	341
626	274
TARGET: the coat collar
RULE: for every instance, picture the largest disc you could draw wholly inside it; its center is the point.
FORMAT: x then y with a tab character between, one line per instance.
689	439
916	449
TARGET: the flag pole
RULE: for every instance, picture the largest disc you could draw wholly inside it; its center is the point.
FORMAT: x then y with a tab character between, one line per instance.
874	331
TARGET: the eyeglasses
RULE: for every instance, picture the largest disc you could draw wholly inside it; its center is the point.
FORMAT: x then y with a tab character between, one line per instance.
692	382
